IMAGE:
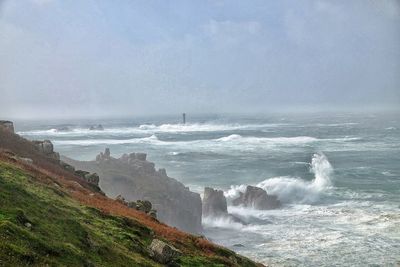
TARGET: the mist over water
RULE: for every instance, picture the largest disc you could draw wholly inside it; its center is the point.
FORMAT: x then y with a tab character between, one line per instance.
336	175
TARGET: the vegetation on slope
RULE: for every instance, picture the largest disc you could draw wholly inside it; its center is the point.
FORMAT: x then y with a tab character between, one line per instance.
48	218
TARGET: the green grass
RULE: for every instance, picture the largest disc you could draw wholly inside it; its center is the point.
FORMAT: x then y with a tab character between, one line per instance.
62	232
40	225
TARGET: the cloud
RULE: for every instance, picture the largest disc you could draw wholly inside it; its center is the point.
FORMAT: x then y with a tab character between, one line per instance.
237	56
42	2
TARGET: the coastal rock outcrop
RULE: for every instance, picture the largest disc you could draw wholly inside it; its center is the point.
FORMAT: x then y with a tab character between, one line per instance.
47	148
215	205
256	198
98	127
7	125
91	178
214	202
133	177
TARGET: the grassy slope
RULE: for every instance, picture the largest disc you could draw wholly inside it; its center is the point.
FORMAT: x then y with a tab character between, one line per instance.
73	226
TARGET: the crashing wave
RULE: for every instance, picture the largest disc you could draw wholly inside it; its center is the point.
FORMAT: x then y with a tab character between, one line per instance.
296	190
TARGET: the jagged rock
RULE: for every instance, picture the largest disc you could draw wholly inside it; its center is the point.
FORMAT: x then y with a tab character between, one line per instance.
162	172
98	127
214	202
7	125
92	178
132	204
63	129
257	198
153	213
135	178
143	205
107	153
215	205
47	148
163	252
81	173
121	200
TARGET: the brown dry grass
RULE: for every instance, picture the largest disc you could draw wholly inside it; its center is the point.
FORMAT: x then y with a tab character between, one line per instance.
49	172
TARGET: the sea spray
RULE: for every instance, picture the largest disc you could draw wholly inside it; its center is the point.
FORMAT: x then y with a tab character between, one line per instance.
295	190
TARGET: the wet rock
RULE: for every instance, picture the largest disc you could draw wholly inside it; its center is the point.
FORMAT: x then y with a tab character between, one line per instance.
63	129
214	203
257	198
107	153
163	252
98	127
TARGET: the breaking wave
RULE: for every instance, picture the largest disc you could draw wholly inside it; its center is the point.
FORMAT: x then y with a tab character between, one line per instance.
296	190
275	140
221	222
88	142
149	128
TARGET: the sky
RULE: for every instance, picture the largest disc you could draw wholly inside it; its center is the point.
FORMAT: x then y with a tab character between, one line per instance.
121	58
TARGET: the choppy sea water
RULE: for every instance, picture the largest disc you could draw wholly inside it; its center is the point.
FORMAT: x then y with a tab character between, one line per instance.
338	177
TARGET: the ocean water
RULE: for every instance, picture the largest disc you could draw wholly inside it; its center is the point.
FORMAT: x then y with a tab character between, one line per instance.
337	175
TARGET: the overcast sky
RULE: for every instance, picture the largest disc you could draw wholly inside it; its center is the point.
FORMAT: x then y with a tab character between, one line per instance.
110	58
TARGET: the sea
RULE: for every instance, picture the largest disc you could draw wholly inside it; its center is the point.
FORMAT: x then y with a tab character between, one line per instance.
336	174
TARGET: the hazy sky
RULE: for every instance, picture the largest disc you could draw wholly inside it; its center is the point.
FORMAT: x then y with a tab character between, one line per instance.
88	58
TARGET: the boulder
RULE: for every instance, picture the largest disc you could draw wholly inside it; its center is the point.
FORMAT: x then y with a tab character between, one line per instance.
7	126
121	200
143	205
153	213
81	173
92	178
256	198
214	202
163	252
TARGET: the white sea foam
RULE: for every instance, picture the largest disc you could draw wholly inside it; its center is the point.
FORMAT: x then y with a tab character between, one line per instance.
89	142
295	190
151	128
221	222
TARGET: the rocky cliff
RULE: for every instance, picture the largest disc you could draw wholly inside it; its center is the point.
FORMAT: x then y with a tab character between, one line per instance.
50	216
133	177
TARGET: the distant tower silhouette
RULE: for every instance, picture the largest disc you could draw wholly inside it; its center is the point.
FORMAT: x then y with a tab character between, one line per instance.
184	118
